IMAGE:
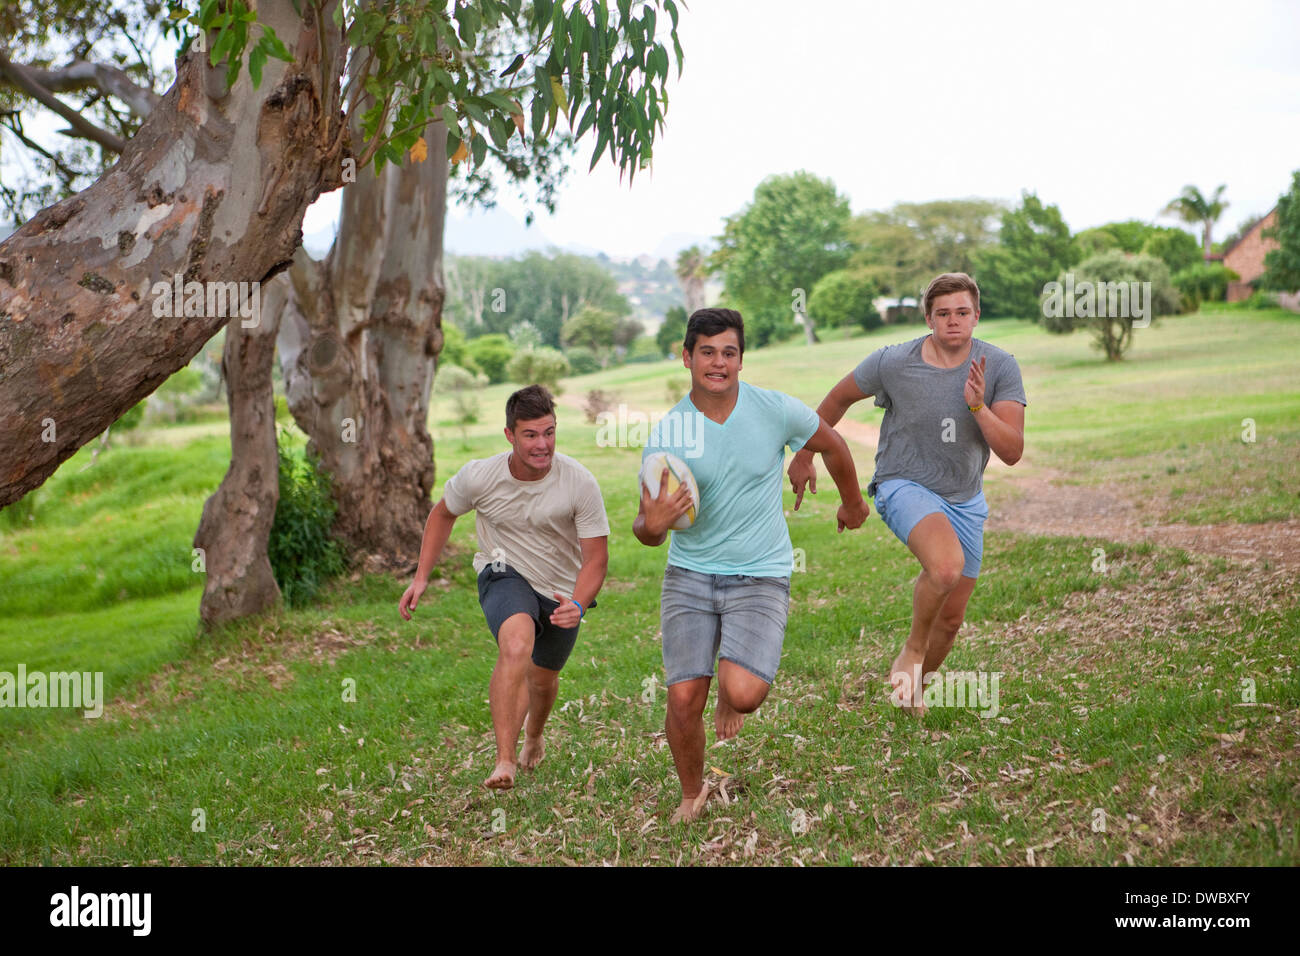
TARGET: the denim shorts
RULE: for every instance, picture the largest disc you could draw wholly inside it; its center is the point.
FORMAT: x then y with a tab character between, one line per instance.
734	617
902	504
505	593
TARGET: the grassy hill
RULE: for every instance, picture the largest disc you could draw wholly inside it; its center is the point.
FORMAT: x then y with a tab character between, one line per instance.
1121	692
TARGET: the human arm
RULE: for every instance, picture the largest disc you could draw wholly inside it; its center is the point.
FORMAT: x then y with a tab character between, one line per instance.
595	562
802	469
655	516
1002	424
436	532
853	510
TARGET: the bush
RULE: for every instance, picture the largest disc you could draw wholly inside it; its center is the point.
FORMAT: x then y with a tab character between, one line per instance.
845	297
1113	333
491	353
582	360
644	349
538	366
453	346
1203	282
303	554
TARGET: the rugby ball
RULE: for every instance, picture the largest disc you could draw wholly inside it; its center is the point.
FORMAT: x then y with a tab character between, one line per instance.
678	474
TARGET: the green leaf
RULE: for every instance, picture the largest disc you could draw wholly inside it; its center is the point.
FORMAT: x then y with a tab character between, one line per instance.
478	147
275	46
601	141
588	117
672	12
256	60
500	134
474	111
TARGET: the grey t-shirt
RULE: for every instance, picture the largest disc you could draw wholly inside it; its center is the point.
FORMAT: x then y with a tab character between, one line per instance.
928	434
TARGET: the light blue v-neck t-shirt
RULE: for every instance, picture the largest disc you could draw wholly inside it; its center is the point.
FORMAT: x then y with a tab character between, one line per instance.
740	528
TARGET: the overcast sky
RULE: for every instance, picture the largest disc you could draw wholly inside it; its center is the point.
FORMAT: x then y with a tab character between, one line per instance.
1106	108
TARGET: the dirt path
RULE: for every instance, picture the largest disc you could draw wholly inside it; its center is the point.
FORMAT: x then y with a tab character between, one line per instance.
1043	506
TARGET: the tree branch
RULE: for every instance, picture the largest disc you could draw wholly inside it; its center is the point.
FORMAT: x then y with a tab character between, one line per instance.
22	78
82	74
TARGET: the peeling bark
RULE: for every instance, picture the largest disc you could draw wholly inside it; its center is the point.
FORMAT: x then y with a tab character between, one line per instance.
359	338
212	189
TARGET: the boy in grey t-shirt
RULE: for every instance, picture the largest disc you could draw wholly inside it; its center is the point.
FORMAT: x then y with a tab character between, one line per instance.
949	399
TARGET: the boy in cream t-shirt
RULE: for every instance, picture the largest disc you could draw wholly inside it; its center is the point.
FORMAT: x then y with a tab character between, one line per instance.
542	534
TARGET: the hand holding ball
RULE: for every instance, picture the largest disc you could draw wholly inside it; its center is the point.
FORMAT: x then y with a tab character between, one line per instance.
679	474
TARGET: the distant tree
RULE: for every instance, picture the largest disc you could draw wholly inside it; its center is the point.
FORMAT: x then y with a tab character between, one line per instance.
906	246
692	273
1191	206
491	353
538	366
1176	247
547	291
1110	320
1034	244
845	297
594	329
1282	265
788	237
672	331
460	384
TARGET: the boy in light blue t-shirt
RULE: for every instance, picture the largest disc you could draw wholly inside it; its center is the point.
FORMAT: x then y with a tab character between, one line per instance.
726	590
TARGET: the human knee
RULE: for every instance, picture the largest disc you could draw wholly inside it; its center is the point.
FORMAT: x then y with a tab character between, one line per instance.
944	574
515	639
686	703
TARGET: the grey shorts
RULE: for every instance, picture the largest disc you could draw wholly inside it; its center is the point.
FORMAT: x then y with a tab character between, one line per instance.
505	593
734	617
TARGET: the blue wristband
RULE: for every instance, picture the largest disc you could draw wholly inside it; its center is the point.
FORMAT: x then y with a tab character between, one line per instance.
582	609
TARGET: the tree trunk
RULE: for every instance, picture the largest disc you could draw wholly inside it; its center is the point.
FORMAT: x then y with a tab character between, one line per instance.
359	339
236	523
211	190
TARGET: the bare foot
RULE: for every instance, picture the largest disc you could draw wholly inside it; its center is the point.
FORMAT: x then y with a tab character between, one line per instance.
691	807
905	679
727	721
503	777
533	752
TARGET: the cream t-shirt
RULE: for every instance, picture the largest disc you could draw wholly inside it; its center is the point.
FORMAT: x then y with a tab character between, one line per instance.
532	526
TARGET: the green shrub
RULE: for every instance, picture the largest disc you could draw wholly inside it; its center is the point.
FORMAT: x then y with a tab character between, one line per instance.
845	297
538	366
1203	282
491	353
303	554
582	360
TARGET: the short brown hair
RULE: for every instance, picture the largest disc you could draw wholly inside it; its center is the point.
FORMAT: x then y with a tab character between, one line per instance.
529	403
947	284
711	322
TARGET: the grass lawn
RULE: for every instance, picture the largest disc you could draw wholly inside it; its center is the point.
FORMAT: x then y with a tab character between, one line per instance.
1147	714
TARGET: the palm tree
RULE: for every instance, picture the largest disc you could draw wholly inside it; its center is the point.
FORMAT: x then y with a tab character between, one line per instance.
692	271
1192	207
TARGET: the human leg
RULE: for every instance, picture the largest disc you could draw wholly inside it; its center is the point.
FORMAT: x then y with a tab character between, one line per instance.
508	695
542	686
936	546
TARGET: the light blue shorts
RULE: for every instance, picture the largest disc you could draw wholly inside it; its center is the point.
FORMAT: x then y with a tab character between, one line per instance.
734	617
902	504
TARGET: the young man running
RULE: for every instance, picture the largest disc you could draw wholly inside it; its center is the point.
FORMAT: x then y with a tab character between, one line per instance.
542	532
948	399
726	590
